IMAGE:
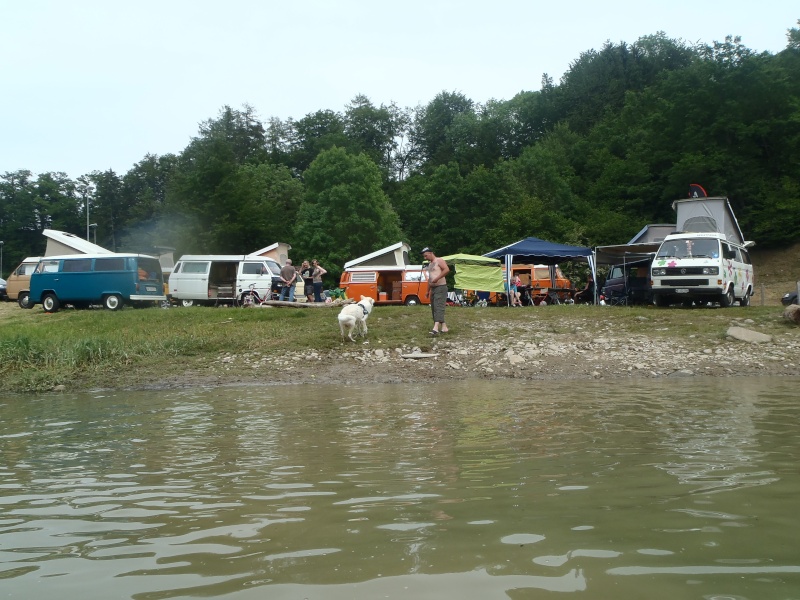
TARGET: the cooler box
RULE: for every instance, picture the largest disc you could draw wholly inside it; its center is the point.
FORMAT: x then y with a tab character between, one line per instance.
383	296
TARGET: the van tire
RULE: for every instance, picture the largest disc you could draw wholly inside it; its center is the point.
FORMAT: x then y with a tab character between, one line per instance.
24	300
50	303
660	300
187	303
411	301
745	301
112	302
727	299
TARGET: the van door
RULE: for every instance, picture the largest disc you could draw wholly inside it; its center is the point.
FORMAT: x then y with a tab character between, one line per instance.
258	274
189	280
20	279
742	277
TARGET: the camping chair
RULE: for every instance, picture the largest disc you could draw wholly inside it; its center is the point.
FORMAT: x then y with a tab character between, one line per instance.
616	299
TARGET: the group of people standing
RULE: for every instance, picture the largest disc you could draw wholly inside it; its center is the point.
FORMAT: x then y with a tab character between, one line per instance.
311	274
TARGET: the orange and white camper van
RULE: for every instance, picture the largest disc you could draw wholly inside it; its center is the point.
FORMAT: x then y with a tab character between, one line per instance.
386	277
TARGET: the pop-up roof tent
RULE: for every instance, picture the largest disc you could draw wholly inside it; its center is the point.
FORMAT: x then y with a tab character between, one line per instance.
61	242
476	272
395	255
537	251
699	215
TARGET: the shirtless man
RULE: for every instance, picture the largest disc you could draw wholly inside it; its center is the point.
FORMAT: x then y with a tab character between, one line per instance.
436	271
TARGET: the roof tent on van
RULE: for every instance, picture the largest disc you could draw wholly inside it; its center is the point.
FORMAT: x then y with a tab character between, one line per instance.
395	255
61	243
708	215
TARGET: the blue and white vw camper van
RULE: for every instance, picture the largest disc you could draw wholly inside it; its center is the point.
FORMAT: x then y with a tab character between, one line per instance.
112	280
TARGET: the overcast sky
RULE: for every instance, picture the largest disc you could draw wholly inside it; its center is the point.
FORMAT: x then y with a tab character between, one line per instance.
97	84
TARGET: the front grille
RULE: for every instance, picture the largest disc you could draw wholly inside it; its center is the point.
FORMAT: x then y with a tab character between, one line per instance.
672	271
684	282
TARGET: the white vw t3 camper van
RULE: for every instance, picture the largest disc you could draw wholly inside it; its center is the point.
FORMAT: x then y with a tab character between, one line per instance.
705	260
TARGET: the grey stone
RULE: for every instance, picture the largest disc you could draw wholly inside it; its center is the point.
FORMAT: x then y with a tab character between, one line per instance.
748	335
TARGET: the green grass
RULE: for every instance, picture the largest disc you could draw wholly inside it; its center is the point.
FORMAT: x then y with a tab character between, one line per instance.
86	348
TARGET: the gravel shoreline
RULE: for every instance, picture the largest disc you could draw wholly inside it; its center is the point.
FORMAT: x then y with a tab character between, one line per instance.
534	354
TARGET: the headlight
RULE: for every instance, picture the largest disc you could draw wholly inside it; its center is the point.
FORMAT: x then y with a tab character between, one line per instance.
659	272
710	270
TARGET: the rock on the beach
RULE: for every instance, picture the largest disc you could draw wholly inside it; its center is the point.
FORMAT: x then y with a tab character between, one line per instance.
792	313
748	335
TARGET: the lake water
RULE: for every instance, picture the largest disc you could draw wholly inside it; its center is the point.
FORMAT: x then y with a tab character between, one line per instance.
685	488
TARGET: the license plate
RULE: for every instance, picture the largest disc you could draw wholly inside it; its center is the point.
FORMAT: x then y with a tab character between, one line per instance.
150	288
682	291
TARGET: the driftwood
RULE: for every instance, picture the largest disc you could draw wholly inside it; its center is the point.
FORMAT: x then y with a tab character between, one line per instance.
287	304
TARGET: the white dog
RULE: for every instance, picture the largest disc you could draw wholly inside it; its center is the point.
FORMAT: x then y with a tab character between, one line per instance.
353	317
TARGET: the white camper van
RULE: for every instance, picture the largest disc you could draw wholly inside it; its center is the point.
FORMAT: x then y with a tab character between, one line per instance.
706	260
222	279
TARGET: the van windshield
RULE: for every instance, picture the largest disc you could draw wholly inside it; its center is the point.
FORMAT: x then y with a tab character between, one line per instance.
689	248
274	267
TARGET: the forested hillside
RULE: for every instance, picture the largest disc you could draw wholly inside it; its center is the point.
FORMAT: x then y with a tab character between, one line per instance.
589	160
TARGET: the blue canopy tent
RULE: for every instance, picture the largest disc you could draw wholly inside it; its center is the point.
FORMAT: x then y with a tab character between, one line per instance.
542	252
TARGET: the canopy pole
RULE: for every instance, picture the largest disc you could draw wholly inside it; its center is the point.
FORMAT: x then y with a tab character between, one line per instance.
593	269
509	261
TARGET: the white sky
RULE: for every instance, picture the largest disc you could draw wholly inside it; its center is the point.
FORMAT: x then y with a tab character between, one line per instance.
97	84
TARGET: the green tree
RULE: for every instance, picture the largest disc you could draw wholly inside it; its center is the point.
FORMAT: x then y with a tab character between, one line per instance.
57	204
144	191
259	207
345	212
378	132
313	134
196	203
109	210
439	128
21	224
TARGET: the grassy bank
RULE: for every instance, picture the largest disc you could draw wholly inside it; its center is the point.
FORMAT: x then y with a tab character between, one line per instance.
140	347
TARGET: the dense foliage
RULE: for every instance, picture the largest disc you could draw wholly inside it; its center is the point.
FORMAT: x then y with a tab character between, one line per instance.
588	161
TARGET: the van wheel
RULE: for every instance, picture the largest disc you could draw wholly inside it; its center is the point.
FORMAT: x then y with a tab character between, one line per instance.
24	300
187	303
50	303
745	301
112	302
727	299
412	301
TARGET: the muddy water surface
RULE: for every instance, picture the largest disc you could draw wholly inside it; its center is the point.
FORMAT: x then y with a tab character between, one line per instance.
684	488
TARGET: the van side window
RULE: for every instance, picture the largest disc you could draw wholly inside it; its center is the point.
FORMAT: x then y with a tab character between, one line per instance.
196	267
47	266
727	251
78	265
364	277
251	268
109	264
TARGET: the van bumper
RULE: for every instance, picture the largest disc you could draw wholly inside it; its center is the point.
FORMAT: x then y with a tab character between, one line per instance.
677	289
